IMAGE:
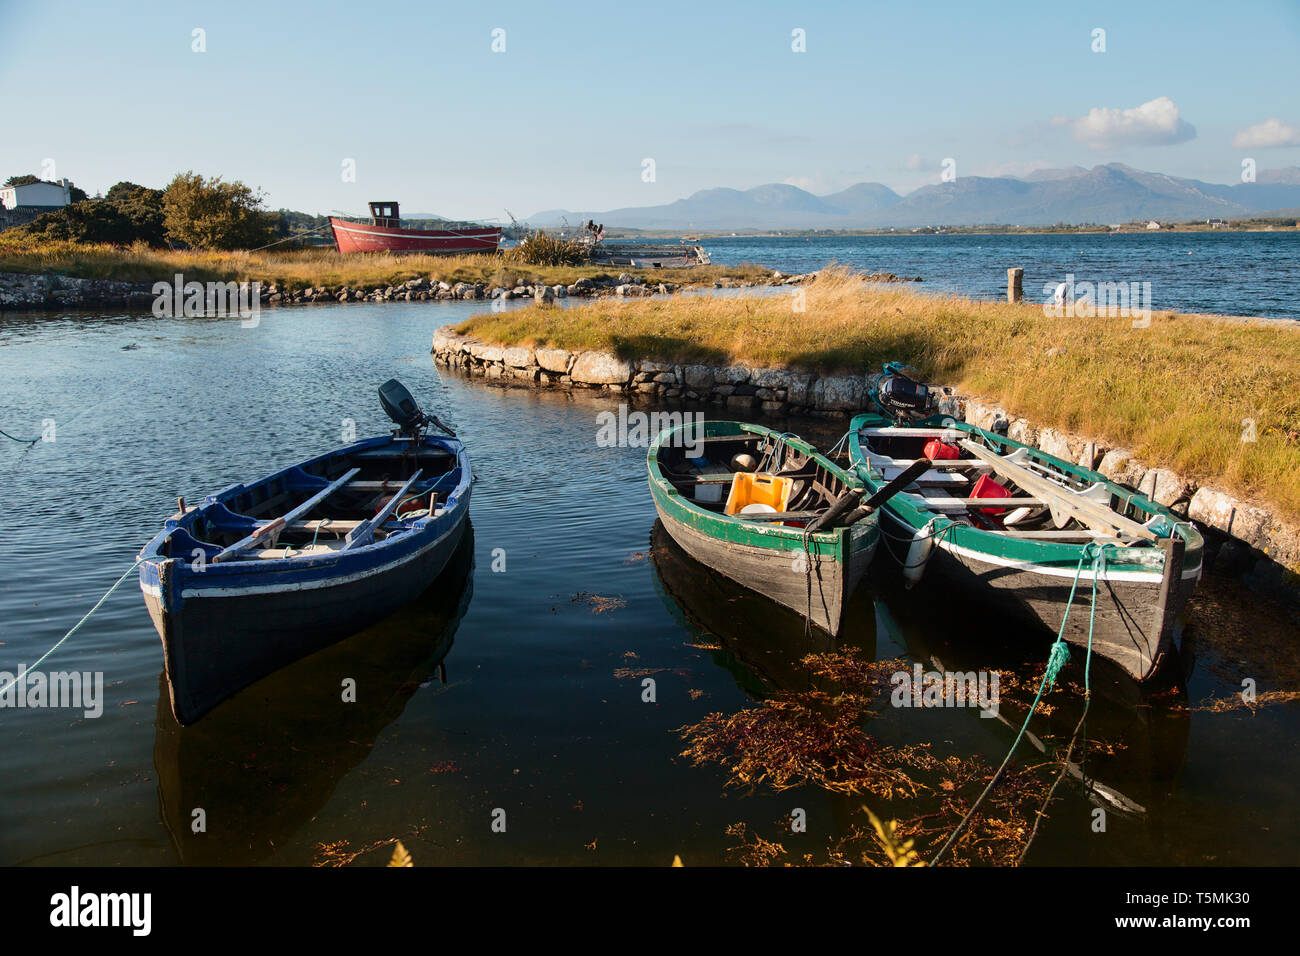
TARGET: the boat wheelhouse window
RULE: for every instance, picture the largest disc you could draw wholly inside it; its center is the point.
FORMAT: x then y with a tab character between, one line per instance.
384	213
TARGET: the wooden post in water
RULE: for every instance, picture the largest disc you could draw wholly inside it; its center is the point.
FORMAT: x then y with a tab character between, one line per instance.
1015	284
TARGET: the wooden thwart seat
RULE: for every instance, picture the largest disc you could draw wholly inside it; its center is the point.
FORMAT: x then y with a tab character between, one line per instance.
275	526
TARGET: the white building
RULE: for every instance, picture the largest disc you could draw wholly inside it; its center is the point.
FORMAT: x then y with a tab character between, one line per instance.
48	195
1153	224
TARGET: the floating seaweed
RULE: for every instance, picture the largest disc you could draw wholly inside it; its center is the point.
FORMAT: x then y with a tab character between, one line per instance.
817	738
598	603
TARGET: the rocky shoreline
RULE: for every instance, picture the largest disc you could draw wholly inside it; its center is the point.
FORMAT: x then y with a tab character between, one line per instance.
1252	540
44	291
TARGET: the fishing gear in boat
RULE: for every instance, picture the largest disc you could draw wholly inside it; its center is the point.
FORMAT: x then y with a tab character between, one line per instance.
742	505
1004	519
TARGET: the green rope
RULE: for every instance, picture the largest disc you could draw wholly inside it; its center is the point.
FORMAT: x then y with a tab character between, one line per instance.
320	524
28	670
1056	660
21	441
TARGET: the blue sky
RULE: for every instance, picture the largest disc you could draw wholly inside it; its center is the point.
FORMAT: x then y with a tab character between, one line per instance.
584	93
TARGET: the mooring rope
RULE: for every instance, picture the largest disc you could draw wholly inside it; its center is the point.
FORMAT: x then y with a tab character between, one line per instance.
839	445
21	441
1056	660
1098	570
299	235
27	670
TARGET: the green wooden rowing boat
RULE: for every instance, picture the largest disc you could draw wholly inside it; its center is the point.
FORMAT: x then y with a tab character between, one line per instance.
780	555
1013	524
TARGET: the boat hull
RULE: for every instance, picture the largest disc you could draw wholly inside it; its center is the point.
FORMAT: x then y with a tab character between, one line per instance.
1135	619
216	644
1140	591
352	237
818	588
813	574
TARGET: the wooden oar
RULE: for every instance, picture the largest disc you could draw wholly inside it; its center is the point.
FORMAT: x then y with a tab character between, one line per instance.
830	517
364	533
279	524
1094	515
915	470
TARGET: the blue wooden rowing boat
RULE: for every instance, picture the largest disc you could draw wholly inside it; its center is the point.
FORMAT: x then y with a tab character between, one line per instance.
262	574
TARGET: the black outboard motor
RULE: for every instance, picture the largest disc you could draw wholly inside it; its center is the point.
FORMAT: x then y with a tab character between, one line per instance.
898	395
905	395
400	405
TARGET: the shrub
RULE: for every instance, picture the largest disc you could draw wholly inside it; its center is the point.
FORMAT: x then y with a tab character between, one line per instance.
540	249
214	214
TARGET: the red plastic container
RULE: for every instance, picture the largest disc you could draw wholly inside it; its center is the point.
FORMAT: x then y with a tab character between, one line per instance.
937	450
986	487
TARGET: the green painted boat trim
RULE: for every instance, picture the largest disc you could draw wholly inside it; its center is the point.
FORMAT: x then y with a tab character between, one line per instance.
1044	555
838	543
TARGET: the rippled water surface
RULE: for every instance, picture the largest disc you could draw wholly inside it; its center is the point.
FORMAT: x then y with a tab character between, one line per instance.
503	687
1229	273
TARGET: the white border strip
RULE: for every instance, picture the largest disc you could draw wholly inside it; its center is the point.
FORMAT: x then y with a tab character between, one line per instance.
219	592
1134	577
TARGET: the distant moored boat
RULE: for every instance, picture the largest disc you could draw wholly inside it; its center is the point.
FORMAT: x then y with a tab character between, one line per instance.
385	233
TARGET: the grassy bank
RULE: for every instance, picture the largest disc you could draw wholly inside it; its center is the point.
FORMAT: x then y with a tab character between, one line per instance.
299	269
1176	393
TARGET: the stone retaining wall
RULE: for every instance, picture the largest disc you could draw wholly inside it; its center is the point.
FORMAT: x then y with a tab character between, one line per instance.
775	391
20	290
37	291
1255	540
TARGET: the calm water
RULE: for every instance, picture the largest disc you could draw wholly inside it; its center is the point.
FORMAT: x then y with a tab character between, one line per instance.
500	688
1249	273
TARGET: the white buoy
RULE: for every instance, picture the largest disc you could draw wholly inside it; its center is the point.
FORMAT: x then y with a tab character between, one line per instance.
918	554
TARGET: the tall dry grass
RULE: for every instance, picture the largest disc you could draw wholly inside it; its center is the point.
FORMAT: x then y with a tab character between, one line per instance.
1178	394
299	268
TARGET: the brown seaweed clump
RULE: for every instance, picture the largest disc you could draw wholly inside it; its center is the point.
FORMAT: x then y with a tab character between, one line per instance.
818	738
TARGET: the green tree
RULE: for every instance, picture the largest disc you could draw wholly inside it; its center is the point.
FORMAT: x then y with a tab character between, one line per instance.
93	221
142	208
214	214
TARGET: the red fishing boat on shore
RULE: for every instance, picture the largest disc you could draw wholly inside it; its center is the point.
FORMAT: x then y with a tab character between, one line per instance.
385	233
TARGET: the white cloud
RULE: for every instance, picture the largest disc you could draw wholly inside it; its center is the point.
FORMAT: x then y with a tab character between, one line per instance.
1266	135
1155	123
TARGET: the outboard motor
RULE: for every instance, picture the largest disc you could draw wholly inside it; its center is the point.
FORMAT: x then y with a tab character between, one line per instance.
900	396
400	405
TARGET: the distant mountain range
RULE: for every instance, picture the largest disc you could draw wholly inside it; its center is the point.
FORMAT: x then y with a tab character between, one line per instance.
1112	193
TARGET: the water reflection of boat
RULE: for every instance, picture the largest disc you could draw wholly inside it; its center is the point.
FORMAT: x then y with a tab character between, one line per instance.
762	642
1144	726
265	762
